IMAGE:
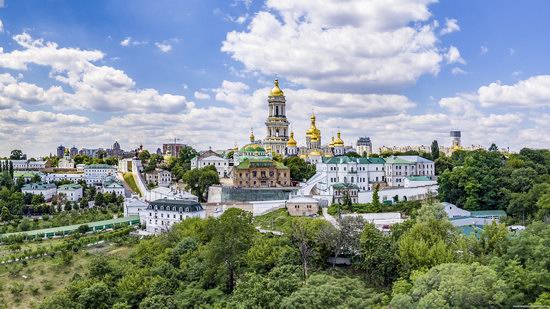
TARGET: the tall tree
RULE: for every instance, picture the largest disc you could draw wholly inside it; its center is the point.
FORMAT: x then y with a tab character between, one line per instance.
435	150
493	147
233	235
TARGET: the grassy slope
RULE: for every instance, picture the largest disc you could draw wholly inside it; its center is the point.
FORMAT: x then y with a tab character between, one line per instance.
279	218
39	272
129	179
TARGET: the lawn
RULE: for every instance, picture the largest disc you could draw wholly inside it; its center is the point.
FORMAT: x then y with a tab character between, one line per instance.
25	286
278	220
129	179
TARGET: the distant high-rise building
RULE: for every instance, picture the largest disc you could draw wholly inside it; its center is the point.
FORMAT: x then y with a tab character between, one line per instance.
455	139
173	148
73	152
60	151
364	145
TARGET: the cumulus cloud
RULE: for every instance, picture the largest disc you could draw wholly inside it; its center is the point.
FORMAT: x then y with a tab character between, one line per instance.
451	25
199	95
360	46
1	26
531	93
483	50
453	56
97	88
457	71
164	47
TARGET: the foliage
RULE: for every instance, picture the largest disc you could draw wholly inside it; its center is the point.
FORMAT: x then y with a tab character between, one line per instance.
198	180
455	286
300	170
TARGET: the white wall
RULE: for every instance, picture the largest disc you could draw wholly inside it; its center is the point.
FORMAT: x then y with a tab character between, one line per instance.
411	193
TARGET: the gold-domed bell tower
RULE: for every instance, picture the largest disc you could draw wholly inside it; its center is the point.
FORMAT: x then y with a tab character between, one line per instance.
313	135
276	123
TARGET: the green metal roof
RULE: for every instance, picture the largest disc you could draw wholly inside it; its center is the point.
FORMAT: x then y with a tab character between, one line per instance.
396	160
38	186
248	163
488	213
100	166
418	178
346	160
69	228
468	230
252	148
340	186
70	187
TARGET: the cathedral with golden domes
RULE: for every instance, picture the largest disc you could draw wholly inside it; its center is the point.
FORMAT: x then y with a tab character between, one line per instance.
281	140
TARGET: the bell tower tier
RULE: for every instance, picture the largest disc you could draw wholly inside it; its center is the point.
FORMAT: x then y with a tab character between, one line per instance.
276	123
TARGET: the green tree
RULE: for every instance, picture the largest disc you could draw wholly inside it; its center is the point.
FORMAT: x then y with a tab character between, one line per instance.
378	256
6	215
158	302
97	295
232	237
435	150
312	237
200	179
455	286
16	154
300	170
375	204
324	291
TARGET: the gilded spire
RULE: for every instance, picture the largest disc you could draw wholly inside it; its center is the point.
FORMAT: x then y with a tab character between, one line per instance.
276	91
252	138
338	141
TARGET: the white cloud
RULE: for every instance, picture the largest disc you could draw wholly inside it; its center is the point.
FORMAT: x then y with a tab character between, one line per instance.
453	56
1	26
2	3
201	95
451	25
164	47
483	50
531	93
512	51
99	88
126	41
458	71
358	47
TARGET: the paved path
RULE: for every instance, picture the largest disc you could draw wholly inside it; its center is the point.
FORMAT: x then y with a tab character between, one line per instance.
330	218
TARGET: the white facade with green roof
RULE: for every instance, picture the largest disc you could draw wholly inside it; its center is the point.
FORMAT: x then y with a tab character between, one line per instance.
47	190
398	168
72	192
361	172
94	174
111	184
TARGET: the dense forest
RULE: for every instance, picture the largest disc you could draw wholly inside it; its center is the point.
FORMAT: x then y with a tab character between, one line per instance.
482	180
226	263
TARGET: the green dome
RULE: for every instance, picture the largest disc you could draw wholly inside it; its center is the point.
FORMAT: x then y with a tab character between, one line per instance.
252	148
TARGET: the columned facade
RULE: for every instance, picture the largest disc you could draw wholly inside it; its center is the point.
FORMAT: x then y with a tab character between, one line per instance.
277	124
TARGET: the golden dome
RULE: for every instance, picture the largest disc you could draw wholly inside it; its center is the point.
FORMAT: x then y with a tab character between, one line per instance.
339	141
302	156
291	141
314	137
331	144
276	91
313	129
328	154
315	152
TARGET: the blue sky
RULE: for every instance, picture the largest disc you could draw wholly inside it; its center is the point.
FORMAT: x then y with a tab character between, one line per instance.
87	73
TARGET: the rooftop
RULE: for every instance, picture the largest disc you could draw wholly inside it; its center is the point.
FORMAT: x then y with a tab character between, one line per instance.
176	205
419	178
38	186
100	166
70	187
346	160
